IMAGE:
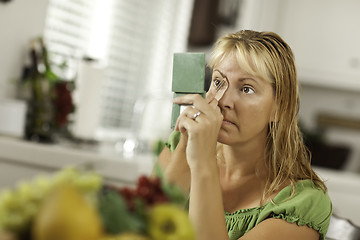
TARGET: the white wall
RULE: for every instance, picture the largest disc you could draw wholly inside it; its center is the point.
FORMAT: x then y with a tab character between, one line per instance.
20	20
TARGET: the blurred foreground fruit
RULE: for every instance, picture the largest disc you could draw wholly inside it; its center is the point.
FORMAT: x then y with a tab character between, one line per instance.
7	236
18	206
169	222
149	190
126	236
65	214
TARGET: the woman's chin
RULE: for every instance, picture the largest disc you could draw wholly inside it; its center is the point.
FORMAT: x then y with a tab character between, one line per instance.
223	137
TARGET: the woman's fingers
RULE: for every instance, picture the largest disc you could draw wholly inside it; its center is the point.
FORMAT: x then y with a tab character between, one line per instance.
186	99
185	124
204	111
209	96
214	104
203	105
189	112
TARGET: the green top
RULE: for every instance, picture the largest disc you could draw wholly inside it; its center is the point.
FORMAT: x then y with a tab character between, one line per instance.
308	206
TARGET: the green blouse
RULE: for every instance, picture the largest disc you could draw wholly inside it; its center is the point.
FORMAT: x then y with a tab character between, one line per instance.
308	206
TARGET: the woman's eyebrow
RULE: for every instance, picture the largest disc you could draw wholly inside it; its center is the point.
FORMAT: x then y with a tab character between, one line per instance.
223	75
247	78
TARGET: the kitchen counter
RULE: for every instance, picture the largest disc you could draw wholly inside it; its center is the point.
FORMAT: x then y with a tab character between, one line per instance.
21	159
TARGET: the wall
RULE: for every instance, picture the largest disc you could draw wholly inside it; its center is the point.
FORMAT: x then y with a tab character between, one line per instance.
20	20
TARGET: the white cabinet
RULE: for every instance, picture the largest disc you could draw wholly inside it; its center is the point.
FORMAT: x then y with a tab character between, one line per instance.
324	35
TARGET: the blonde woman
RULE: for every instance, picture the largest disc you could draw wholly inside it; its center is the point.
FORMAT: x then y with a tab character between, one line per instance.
241	157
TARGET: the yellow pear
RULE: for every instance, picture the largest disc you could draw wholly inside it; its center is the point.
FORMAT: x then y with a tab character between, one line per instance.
66	215
126	236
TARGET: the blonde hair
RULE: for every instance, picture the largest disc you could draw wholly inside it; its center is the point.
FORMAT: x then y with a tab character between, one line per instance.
267	56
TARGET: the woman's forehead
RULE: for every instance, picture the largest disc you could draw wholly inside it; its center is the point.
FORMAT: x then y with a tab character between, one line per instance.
232	63
230	66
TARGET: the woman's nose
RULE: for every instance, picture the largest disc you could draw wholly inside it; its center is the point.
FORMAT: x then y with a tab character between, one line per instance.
226	100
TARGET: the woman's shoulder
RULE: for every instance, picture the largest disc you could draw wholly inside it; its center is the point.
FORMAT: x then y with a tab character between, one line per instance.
307	204
304	193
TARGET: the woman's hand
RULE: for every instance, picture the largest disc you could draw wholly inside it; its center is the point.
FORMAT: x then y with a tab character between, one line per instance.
201	129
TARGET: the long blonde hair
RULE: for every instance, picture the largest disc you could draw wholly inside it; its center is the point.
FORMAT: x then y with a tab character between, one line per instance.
266	55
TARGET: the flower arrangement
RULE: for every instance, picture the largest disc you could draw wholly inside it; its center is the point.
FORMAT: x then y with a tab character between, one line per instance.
48	95
76	205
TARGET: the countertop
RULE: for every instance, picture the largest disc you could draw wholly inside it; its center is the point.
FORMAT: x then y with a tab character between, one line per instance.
343	186
103	158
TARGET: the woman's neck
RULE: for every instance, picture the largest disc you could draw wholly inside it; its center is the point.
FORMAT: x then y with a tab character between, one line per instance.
243	161
242	177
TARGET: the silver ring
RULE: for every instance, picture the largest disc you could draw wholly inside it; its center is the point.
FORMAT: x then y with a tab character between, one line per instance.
196	115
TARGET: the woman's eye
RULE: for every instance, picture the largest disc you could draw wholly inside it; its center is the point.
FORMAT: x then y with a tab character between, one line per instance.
247	90
216	82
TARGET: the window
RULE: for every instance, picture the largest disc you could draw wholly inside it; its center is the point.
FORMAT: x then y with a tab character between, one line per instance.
137	40
67	31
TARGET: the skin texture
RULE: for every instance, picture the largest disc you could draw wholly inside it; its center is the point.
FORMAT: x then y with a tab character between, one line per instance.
240	121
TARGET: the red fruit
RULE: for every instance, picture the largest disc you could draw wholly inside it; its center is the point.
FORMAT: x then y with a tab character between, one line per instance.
156	182
143	192
161	199
127	193
143	181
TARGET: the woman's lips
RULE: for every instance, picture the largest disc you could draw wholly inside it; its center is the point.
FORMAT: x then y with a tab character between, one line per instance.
226	122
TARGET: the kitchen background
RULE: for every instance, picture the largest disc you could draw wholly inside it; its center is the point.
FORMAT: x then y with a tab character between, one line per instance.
115	59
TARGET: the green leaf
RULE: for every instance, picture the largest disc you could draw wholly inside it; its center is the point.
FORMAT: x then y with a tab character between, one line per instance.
115	215
175	194
52	77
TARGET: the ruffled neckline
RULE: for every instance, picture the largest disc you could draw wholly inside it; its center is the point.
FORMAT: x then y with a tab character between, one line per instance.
247	210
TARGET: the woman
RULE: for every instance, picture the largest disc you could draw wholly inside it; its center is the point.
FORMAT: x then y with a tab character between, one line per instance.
243	154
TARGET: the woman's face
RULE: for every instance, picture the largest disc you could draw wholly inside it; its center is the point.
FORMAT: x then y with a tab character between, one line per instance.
247	104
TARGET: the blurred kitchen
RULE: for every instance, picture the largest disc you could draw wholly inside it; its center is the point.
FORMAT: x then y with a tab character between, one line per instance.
88	83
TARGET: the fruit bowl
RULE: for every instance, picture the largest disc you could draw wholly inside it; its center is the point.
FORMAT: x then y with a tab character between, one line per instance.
78	205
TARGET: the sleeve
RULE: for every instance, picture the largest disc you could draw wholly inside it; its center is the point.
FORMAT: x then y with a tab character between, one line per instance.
171	143
308	206
173	140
